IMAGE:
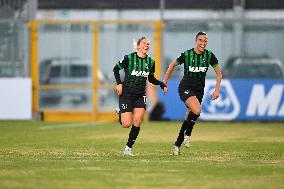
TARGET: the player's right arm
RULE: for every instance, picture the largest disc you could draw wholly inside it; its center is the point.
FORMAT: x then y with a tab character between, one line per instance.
120	65
169	71
180	60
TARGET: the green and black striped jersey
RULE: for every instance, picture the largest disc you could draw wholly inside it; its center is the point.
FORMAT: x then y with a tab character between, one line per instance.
196	65
136	73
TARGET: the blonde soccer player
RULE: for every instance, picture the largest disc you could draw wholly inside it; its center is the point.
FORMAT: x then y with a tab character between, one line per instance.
138	67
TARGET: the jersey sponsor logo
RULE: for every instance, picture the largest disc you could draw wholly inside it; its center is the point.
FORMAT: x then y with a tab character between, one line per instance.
197	69
140	73
269	104
226	107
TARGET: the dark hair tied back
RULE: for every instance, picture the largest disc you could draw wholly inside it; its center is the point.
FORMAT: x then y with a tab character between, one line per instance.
200	33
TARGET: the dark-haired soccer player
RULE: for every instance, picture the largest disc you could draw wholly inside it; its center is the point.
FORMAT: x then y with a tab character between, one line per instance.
138	67
191	88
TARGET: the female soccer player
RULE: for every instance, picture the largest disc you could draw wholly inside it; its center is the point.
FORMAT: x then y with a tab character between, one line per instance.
191	88
138	66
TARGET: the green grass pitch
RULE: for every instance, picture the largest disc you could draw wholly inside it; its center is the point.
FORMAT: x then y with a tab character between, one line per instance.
35	155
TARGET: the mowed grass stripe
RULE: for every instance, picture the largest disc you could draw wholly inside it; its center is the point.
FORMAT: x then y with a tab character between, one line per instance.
223	155
70	125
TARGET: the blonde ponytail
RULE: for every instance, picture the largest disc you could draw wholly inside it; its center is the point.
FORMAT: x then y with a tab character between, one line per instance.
134	45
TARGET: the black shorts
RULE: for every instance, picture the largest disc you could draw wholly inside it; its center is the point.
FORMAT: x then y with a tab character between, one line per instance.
187	90
127	104
185	94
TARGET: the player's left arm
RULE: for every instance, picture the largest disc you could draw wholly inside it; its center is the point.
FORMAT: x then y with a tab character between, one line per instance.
216	93
214	63
155	81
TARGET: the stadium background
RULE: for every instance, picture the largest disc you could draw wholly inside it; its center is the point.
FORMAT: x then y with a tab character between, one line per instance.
56	59
64	52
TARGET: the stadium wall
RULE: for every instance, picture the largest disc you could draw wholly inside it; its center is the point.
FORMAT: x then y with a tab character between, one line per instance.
240	100
15	99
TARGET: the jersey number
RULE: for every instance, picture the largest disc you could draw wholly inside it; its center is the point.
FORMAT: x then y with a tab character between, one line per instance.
124	106
145	99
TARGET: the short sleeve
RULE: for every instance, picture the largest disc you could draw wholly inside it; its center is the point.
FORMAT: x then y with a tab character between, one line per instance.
181	59
214	61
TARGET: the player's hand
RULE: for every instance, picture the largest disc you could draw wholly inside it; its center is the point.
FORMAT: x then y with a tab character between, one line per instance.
165	90
119	89
164	87
215	95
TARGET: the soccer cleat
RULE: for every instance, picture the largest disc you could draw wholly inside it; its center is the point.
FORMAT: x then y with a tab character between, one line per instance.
127	151
119	115
186	141
176	151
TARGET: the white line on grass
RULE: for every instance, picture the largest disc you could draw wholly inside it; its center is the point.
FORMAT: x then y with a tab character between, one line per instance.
128	159
147	161
71	125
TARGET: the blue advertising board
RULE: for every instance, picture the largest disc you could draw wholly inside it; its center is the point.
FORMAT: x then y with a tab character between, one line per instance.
239	100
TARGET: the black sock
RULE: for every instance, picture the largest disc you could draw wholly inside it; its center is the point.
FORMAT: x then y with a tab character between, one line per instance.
180	137
191	118
132	135
189	128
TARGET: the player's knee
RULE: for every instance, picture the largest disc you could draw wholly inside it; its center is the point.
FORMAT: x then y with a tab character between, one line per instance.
192	116
126	124
197	112
137	121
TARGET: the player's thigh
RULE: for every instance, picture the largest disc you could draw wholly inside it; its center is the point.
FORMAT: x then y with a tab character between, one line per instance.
138	114
139	109
126	119
126	109
194	105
